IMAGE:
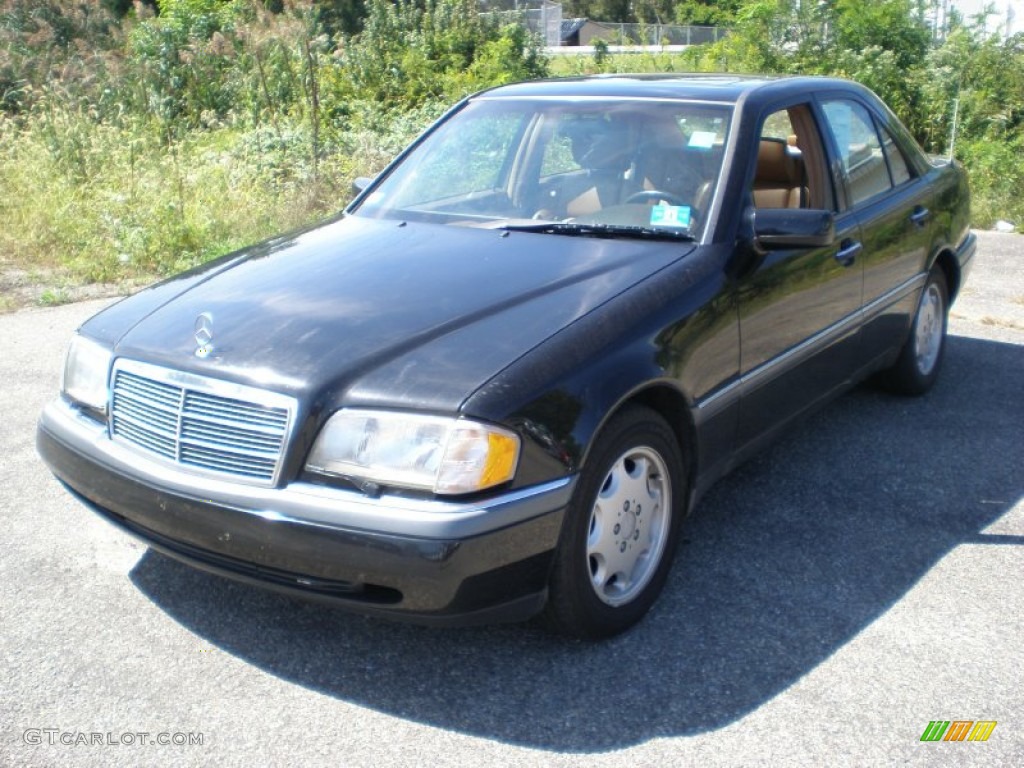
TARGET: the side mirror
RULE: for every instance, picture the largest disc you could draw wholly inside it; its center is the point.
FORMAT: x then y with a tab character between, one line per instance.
360	183
793	228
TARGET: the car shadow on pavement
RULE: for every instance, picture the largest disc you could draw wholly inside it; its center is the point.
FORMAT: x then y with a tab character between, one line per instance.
785	562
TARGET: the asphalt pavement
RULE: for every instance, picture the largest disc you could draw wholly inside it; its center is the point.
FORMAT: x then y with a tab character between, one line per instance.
857	581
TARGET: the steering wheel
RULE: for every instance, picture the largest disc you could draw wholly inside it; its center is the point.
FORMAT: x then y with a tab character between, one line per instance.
648	195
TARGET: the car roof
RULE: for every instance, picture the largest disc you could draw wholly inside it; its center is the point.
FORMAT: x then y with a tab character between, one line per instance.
698	87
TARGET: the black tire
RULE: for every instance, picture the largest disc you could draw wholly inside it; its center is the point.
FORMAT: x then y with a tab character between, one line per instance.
917	367
636	461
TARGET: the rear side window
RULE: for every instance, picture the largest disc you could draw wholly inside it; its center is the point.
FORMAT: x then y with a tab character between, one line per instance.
897	163
864	162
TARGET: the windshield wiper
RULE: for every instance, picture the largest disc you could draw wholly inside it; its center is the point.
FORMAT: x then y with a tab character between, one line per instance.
599	230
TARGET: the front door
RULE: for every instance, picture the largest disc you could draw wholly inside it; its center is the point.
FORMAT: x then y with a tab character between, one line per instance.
800	308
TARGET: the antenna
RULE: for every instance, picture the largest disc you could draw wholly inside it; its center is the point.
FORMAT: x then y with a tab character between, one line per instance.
952	135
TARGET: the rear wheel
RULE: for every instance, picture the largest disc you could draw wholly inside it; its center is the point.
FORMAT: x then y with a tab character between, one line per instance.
620	533
918	365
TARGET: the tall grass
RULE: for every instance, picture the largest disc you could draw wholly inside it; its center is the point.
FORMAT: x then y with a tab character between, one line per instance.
103	203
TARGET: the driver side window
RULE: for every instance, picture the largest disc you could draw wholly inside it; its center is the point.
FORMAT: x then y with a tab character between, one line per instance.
558	156
791	171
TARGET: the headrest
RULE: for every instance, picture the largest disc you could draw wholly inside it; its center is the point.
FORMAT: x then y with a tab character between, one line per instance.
599	144
777	163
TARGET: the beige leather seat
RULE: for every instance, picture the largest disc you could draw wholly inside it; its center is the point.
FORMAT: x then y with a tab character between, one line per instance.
780	179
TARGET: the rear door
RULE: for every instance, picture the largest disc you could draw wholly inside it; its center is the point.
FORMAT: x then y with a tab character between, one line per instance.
882	186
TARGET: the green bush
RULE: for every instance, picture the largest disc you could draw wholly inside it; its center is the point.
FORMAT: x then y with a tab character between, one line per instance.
412	51
997	179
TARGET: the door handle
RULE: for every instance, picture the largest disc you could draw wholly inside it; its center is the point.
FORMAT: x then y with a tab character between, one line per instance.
920	216
848	251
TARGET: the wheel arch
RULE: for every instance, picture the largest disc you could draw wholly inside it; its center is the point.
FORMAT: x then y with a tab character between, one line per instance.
945	260
669	402
581	594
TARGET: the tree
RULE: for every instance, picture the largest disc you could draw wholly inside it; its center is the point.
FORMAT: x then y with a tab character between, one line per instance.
599	10
892	25
342	17
715	13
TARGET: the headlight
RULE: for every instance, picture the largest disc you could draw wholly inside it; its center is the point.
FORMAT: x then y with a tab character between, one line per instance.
85	373
444	455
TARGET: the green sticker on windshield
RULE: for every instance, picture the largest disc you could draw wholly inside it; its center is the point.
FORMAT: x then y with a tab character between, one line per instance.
670	216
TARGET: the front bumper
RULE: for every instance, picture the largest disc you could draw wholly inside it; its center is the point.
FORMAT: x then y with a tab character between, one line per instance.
431	561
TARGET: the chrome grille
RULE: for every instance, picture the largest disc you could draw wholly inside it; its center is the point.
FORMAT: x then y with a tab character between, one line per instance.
204	424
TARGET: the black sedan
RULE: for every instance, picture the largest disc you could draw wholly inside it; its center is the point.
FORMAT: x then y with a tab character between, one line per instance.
496	384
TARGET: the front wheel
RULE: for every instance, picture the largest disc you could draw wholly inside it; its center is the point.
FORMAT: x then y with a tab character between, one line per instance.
621	528
917	367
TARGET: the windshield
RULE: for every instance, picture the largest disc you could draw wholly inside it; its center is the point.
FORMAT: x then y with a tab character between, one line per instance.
622	167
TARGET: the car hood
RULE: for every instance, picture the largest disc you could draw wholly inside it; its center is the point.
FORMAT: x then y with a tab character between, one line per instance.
365	311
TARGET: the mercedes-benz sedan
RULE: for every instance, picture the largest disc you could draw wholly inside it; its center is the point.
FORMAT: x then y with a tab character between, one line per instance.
497	382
